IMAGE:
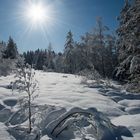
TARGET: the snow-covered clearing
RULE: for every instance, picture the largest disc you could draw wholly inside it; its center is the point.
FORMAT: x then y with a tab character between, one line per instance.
62	92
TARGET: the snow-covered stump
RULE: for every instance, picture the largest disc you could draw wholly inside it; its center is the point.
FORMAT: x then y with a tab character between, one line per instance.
102	128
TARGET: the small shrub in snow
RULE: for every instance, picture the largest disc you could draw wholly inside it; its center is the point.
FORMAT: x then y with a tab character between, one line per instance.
134	85
26	82
108	83
6	66
89	76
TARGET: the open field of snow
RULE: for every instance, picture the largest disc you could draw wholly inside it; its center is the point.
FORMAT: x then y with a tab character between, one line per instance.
64	91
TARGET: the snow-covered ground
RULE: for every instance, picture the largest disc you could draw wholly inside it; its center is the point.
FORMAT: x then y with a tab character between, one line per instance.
65	91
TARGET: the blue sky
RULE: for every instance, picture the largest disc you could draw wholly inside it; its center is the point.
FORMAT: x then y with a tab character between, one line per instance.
79	16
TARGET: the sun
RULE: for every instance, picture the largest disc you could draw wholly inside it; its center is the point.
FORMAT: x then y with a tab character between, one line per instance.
36	13
37	17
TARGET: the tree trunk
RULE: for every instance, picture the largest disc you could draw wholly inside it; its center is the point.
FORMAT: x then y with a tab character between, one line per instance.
29	107
103	66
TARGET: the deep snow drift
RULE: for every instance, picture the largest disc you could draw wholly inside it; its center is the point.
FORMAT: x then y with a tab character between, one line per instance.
58	94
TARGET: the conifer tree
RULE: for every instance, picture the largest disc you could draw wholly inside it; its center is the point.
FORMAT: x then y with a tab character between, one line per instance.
11	49
68	53
128	42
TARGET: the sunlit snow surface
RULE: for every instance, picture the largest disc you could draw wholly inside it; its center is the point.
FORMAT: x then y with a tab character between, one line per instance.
66	91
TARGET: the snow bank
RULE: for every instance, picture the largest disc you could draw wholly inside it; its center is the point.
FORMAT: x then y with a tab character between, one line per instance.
130	121
4	135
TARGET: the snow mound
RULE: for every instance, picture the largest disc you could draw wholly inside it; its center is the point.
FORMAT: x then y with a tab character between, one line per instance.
130	121
5	115
1	107
130	103
79	119
4	135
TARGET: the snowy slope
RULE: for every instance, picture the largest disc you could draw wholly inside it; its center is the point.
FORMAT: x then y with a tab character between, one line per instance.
66	91
56	89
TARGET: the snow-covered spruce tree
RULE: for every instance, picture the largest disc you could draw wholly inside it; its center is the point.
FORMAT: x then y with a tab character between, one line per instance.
25	82
2	49
68	54
38	59
6	65
58	62
50	57
11	49
129	43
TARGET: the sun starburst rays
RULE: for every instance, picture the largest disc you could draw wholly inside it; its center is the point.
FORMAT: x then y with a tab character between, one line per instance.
34	17
40	17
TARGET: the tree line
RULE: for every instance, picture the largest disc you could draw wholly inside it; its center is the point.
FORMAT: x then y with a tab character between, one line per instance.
97	50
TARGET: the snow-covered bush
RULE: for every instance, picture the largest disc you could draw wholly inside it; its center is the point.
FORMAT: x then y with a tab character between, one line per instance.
135	65
90	74
134	85
91	78
6	66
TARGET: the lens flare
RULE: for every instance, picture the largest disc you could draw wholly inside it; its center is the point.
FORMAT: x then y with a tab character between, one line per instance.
37	13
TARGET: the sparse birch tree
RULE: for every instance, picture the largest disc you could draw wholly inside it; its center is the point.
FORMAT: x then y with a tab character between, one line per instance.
25	82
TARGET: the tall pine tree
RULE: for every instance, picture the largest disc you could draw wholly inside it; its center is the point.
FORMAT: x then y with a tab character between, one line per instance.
129	42
68	53
11	49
